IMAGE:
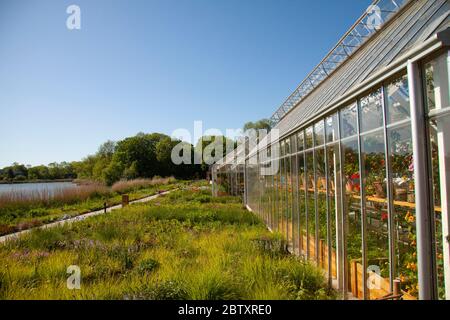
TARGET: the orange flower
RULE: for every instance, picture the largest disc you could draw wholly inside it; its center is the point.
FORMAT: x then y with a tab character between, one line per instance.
408	214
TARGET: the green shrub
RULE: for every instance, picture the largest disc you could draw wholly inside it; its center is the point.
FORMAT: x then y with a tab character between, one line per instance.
214	286
148	265
162	290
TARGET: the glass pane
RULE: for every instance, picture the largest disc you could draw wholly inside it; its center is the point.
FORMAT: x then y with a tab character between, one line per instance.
319	132
311	215
334	181
348	121
309	137
377	239
300	141
331	128
282	226
295	205
274	198
277	197
439	133
321	198
288	146
282	149
288	201
352	215
436	76
266	205
398	100
301	202
371	112
402	172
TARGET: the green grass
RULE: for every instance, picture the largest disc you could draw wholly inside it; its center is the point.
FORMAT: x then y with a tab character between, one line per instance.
186	245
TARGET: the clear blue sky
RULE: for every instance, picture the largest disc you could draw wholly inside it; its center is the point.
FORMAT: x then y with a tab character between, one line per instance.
151	66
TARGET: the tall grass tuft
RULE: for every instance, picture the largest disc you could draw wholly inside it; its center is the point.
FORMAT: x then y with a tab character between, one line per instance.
125	186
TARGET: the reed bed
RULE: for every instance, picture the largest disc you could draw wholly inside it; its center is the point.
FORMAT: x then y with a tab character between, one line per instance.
125	186
47	198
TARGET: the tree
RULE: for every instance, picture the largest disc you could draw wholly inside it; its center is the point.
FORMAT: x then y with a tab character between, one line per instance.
263	124
38	173
164	155
107	149
113	173
210	146
141	156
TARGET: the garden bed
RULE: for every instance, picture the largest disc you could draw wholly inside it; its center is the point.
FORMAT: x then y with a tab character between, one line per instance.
185	245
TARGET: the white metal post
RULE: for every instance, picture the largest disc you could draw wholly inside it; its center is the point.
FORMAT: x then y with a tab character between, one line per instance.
425	251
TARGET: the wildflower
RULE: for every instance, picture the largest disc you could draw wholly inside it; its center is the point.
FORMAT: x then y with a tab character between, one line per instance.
41	254
411	166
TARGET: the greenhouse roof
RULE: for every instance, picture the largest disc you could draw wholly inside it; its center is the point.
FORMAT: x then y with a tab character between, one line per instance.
367	25
417	22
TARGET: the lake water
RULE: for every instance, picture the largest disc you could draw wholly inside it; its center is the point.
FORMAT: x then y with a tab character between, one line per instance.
30	187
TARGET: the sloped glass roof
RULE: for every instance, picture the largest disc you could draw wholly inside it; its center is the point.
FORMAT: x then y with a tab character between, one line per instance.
368	24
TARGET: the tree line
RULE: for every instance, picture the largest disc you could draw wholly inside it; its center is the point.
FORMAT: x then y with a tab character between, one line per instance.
141	156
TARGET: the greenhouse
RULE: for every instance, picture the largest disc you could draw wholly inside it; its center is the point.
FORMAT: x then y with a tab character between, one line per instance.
363	157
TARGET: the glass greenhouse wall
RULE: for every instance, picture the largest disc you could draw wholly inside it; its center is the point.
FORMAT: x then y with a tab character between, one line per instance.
345	193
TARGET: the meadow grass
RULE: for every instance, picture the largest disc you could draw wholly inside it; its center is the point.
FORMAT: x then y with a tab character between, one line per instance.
24	210
185	245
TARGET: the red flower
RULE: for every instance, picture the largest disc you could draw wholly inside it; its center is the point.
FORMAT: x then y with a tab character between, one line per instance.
384	216
354	176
